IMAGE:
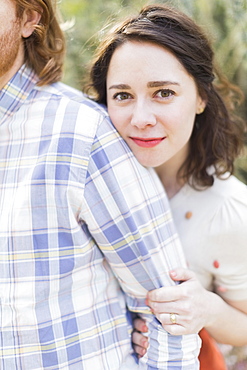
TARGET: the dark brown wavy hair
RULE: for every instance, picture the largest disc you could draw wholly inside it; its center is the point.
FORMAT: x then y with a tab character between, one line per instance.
218	136
45	48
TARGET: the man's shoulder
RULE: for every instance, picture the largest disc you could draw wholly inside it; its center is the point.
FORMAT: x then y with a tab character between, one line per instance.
61	91
74	111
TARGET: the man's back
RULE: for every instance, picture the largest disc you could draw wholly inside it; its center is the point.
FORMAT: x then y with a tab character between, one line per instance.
59	296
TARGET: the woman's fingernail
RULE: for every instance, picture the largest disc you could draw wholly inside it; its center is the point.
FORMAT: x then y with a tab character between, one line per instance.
144	343
144	328
173	274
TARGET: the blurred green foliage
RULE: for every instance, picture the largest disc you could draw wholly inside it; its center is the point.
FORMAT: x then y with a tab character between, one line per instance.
224	20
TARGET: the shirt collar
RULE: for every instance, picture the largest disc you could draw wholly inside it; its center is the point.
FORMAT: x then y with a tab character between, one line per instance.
16	91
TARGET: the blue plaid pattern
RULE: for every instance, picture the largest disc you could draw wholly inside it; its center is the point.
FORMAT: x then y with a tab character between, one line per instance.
79	218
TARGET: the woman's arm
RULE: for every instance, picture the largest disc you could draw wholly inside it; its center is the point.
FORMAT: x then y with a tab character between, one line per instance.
233	329
195	308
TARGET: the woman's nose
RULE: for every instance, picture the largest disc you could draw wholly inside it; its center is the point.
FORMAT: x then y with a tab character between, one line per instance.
143	116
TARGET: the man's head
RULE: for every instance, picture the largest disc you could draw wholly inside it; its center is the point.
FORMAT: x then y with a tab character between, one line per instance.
10	41
30	33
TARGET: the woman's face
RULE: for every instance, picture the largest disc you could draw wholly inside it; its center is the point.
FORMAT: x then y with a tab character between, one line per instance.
152	102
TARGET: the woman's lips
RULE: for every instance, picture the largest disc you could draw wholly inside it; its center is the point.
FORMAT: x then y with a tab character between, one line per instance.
147	142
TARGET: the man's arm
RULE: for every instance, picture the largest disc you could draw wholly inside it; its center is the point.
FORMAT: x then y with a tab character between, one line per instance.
128	215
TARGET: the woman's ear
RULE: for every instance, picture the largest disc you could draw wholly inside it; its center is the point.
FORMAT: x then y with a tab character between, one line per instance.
30	20
201	106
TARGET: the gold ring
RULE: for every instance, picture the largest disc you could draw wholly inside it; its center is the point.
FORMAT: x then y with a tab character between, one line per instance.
173	318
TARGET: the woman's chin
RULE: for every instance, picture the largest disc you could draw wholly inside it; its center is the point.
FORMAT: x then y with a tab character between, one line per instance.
150	162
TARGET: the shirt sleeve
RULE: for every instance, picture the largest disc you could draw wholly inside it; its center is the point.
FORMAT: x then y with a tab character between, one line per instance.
230	278
128	215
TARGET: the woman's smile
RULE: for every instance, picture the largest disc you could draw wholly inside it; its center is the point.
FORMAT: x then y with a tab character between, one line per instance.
147	142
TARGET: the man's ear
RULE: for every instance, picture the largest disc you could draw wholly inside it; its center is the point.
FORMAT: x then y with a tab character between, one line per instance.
30	19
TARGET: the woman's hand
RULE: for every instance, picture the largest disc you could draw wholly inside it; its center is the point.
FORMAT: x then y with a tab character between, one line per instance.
188	301
139	341
184	308
194	308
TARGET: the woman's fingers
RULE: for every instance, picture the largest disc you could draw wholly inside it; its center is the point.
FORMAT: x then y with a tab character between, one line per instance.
172	293
140	325
140	343
182	308
181	274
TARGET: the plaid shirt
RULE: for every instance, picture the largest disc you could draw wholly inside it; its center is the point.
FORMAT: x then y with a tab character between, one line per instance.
79	218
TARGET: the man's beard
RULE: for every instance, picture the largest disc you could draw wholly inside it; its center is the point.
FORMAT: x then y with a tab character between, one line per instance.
10	43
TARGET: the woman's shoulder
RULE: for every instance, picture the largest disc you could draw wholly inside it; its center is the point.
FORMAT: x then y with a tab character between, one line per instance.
224	203
228	201
223	190
228	187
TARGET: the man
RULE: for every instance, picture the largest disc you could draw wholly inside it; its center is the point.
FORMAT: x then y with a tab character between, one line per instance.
78	227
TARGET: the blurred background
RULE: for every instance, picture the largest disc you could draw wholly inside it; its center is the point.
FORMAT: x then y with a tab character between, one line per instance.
224	20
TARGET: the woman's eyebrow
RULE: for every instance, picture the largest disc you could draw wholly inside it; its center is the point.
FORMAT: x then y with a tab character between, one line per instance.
149	84
120	87
161	83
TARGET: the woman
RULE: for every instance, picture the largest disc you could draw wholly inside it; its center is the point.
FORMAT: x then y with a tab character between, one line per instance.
155	72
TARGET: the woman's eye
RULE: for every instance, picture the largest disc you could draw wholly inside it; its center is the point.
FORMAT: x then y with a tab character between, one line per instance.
164	93
121	96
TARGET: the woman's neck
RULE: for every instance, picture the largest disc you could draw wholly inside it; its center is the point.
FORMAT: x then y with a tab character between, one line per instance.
168	177
168	174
